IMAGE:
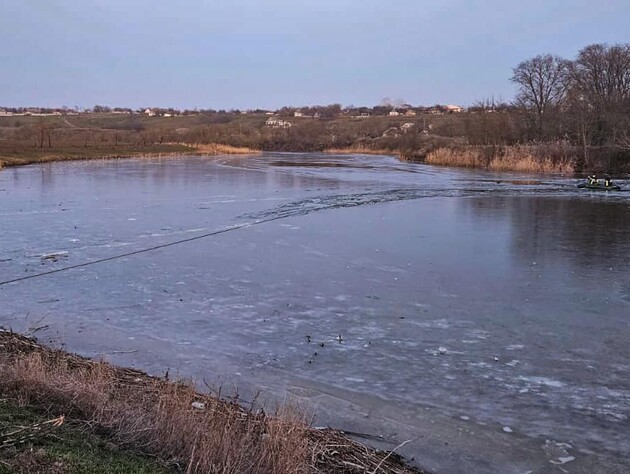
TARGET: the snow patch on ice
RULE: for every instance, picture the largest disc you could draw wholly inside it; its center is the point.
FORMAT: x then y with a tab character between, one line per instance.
546	381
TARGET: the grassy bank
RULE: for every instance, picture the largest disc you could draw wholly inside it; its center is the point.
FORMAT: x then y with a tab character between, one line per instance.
544	158
130	412
12	154
33	442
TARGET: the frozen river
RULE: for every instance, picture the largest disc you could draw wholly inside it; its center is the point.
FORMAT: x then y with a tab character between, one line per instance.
485	317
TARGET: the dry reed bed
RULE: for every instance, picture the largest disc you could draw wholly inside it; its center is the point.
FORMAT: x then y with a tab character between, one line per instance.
359	151
220	149
527	159
170	420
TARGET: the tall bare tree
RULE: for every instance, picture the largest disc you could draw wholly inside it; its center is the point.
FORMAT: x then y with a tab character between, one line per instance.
542	84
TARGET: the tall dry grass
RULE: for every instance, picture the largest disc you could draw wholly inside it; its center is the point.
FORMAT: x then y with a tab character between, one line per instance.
161	418
220	149
463	158
527	159
172	421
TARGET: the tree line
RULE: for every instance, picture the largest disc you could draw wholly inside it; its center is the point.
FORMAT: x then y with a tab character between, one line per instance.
585	100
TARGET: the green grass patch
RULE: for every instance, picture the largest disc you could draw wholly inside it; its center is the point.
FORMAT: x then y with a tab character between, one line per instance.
68	448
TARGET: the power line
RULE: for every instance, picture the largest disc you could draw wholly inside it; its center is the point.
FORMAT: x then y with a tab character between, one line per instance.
145	250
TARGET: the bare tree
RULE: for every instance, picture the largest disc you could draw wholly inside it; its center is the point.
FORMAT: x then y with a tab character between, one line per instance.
542	84
623	141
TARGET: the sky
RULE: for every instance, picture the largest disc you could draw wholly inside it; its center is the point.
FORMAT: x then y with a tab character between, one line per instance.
226	54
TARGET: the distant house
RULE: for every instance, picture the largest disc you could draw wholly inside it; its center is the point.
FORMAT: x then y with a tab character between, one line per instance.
168	115
394	113
5	113
410	113
278	123
45	114
298	113
364	114
150	112
454	109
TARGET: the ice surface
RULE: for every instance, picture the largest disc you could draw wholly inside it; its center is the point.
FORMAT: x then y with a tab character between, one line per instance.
401	260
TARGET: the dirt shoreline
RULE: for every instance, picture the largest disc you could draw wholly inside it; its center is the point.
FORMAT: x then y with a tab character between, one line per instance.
172	421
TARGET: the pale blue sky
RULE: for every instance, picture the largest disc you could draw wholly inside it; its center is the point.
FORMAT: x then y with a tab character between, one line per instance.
269	53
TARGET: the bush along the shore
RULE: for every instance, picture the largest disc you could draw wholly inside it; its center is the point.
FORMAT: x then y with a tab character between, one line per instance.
181	429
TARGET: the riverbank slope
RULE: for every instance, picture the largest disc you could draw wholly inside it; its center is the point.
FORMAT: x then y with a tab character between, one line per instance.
20	156
44	390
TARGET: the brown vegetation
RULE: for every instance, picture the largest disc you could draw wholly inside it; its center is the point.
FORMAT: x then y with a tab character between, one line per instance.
528	159
358	150
220	149
197	432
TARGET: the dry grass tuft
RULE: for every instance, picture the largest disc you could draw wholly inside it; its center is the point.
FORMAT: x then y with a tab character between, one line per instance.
197	432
